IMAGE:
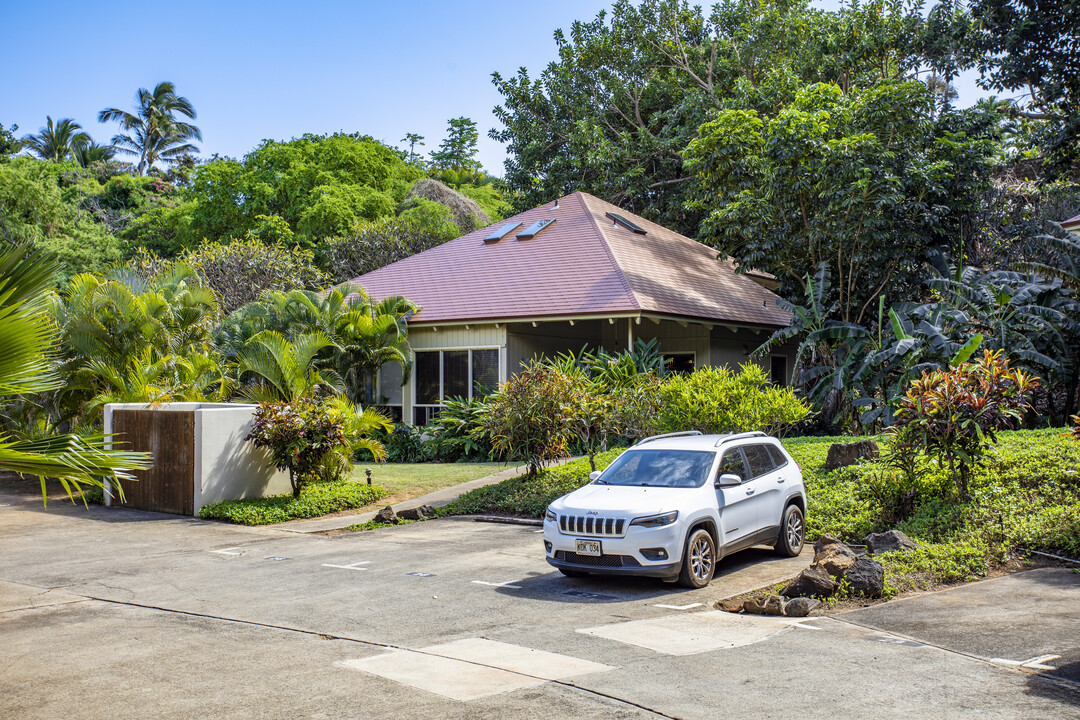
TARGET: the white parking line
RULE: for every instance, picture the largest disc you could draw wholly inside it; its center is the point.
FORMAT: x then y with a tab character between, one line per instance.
1035	663
678	607
227	551
506	585
352	566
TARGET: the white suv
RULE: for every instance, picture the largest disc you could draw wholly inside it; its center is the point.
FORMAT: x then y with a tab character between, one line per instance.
672	505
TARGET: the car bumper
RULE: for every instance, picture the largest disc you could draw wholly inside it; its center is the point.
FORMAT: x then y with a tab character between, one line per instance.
629	547
669	570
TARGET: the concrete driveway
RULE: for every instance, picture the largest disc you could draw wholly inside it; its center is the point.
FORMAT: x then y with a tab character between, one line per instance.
126	614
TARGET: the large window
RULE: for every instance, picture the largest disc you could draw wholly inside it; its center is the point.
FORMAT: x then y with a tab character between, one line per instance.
442	374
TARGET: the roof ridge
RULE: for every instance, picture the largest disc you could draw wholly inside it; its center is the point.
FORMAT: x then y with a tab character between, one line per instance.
607	249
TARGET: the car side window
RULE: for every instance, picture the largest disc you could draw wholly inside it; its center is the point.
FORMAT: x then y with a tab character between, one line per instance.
732	463
759	459
778	457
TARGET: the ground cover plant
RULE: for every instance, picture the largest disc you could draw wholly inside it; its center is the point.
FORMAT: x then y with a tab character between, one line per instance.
315	499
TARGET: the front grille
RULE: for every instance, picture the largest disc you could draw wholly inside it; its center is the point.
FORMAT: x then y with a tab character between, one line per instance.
601	561
591	525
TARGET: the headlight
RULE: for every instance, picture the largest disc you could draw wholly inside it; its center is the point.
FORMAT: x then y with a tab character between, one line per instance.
550	516
656	520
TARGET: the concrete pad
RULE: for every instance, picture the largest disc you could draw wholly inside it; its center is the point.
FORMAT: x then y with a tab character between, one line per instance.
516	658
17	596
692	633
454	679
1029	620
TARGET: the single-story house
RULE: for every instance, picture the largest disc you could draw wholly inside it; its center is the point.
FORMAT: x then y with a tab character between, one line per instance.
578	272
1072	224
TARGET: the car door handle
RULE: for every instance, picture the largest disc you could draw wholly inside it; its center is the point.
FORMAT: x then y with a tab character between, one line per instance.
750	491
780	479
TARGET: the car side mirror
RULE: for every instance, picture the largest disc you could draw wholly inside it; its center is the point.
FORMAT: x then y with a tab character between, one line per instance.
594	475
727	480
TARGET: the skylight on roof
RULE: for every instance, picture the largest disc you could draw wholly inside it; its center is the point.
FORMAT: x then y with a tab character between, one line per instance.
502	232
620	220
535	229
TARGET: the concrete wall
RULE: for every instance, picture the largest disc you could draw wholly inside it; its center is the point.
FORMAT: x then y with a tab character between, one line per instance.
226	466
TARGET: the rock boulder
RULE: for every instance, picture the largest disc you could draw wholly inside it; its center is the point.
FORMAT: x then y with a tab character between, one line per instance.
387	515
811	582
866	576
891	541
801	606
842	454
417	513
832	555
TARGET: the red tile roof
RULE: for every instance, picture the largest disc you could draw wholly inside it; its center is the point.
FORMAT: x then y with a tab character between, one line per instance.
582	265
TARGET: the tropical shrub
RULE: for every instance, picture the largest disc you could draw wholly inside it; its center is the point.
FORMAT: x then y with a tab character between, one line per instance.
371	246
527	418
717	400
458	434
298	435
953	414
315	499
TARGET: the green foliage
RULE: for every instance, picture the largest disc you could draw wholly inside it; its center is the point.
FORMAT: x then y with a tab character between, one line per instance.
28	348
458	434
932	564
9	144
489	198
371	246
57	142
278	369
320	185
953	415
527	417
528	495
717	400
407	444
458	150
315	499
298	435
241	270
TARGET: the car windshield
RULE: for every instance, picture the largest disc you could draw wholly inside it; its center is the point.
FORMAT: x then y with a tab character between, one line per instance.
660	468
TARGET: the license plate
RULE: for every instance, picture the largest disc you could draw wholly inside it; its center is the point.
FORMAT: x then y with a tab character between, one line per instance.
588	547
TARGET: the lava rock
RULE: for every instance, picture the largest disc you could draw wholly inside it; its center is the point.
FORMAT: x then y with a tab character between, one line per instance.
891	541
801	606
417	513
811	582
731	606
832	555
866	576
755	605
773	605
387	516
842	454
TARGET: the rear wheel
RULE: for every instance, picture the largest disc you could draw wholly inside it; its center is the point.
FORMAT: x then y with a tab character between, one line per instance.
699	560
792	529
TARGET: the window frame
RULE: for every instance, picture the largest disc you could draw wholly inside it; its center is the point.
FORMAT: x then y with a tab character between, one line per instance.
434	408
749	465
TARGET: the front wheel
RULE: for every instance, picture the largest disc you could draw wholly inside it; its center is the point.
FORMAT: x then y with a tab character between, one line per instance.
792	529
699	560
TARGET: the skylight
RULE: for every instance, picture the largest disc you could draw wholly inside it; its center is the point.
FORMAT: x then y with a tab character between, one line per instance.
502	232
535	229
620	220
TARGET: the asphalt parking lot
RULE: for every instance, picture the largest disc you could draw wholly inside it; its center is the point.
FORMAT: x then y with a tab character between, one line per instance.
126	614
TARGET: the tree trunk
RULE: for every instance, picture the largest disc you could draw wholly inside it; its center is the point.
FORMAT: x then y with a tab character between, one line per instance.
294	483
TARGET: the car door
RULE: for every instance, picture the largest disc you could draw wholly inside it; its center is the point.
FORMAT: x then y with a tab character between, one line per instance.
769	484
738	507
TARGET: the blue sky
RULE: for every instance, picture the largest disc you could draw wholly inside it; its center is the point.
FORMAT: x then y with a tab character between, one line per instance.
279	69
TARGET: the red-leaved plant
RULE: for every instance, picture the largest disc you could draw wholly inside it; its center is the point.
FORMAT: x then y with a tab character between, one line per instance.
298	435
953	414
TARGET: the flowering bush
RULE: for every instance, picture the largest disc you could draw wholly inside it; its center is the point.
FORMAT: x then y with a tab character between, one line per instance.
298	436
953	414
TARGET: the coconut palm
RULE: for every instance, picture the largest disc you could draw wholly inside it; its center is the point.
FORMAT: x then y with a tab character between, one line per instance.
284	370
27	349
57	142
153	132
88	153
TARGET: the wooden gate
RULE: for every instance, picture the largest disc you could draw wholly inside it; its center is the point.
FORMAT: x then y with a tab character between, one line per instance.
169	484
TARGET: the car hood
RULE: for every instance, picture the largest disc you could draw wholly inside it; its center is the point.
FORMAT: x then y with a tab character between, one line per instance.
621	500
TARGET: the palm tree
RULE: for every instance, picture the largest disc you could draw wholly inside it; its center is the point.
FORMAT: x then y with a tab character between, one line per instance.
90	152
284	370
153	132
57	142
27	349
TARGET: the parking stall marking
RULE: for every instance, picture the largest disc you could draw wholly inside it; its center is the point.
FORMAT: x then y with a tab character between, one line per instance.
506	585
352	566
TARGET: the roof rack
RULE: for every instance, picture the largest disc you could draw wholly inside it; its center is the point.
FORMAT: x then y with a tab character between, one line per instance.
739	436
681	433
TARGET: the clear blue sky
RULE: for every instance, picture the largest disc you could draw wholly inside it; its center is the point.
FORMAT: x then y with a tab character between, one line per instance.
277	69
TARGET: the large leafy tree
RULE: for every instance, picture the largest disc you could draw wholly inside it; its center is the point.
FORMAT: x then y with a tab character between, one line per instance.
57	141
864	181
1030	46
155	132
628	91
27	367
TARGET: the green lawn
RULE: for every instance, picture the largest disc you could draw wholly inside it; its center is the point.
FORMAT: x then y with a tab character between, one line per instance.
409	480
